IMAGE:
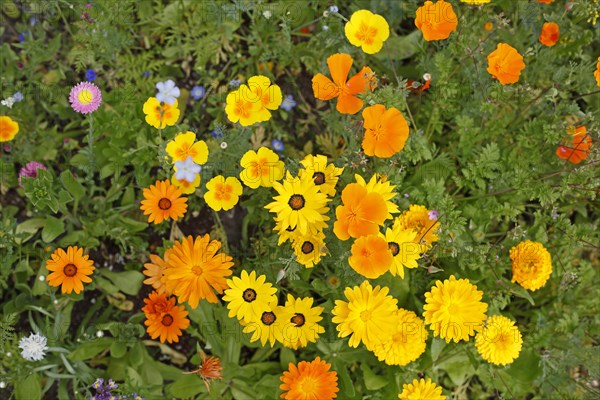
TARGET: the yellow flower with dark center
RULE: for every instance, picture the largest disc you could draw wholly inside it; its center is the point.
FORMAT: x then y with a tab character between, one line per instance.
367	30
309	248
324	175
299	322
454	309
531	264
404	249
248	296
417	218
69	269
8	128
184	145
407	342
267	327
223	194
500	341
160	115
421	390
261	168
309	381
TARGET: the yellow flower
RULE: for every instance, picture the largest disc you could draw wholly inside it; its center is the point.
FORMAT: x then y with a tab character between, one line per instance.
8	128
183	146
500	341
405	251
454	309
531	264
475	1
223	194
299	322
421	390
243	107
248	296
309	248
379	184
407	342
267	327
185	186
367	30
160	115
417	218
268	96
261	168
325	175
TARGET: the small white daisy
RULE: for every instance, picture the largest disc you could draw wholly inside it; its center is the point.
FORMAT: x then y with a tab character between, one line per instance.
33	347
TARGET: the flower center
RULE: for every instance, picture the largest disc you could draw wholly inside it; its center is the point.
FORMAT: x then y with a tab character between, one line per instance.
70	270
164	204
85	96
319	178
394	248
268	317
296	202
310	387
167	320
298	320
196	269
307	247
365	316
249	295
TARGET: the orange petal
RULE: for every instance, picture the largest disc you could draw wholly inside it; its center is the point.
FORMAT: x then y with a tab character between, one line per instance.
339	67
324	88
348	104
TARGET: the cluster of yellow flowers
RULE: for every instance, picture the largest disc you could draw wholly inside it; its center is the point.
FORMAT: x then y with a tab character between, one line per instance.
250	103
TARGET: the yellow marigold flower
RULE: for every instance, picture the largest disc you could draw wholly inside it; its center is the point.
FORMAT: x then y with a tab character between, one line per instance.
261	168
223	194
266	94
248	296
500	341
421	390
366	315
185	186
309	248
418	218
266	328
367	30
531	264
379	184
184	145
407	342
454	309
160	115
401	242
8	128
299	322
325	175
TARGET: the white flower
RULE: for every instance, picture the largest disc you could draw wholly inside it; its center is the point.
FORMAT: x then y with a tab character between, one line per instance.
267	14
167	92
33	347
8	102
223	145
187	170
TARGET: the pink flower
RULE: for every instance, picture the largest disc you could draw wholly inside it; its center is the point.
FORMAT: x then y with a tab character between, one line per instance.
85	97
30	170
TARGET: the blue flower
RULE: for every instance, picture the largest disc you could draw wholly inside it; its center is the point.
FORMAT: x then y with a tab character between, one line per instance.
32	21
167	92
198	92
217	133
22	36
18	96
277	145
334	9
187	170
146	74
288	103
90	75
235	83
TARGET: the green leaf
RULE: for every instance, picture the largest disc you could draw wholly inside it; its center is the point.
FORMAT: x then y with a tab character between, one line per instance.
72	185
286	356
88	350
129	282
52	229
346	384
521	292
437	345
187	386
372	381
29	389
28	229
118	349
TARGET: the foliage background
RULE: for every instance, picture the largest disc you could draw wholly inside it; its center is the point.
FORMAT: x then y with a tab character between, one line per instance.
479	153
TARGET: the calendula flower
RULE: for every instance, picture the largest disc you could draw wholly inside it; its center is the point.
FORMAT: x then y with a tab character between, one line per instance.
184	145
309	381
370	256
531	264
33	347
345	90
360	214
299	203
164	318
8	128
407	341
421	390
545	1
366	315
248	296
209	370
324	175
261	168
405	252
266	328
417	218
596	75
196	269
163	201
550	34
309	248
367	31
160	115
436	20
185	186
500	341
578	148
154	270
454	309
85	97
386	131
69	269
299	322
379	184
505	64
223	193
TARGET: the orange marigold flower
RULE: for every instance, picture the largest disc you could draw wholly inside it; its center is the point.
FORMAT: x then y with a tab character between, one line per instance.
309	380
194	269
550	34
163	201
164	318
210	369
386	131
360	214
154	270
597	72
436	20
505	64
545	1
69	269
578	149
345	90
371	256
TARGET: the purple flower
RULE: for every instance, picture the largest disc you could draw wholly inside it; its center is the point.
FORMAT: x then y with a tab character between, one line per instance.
30	170
277	145
90	75
217	133
235	83
198	92
103	391
146	74
32	21
18	96
85	97
433	215
22	37
288	103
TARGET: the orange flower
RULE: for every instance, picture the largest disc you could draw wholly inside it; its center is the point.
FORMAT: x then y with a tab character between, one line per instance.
360	214
597	72
386	131
550	34
371	256
545	1
8	128
579	148
69	269
309	381
505	64
436	20
154	271
163	201
346	91
164	318
210	369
